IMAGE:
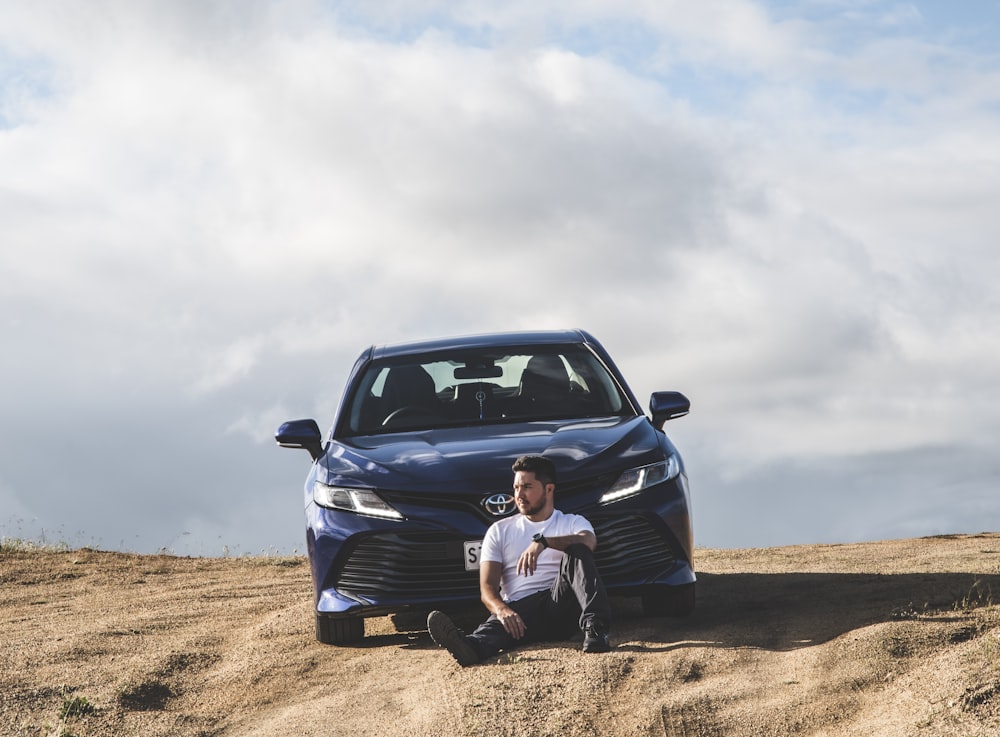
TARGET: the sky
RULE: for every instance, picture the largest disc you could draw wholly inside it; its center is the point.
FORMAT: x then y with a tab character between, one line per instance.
787	210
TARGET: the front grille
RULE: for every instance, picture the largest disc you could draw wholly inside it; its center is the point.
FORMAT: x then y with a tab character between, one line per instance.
408	566
425	566
629	549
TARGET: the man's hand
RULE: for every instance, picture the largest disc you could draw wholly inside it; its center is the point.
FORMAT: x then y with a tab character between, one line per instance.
511	622
489	588
528	561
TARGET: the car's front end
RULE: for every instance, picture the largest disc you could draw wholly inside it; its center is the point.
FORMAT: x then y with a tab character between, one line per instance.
399	497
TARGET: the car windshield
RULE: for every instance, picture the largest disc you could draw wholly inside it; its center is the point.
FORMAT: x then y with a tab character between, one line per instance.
488	386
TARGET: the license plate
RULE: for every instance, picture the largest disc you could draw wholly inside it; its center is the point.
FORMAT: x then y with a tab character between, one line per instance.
472	550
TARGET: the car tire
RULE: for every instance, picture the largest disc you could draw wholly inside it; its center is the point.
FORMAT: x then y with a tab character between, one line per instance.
340	631
668	601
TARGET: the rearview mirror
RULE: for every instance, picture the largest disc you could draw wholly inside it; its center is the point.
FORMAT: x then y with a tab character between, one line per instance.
479	372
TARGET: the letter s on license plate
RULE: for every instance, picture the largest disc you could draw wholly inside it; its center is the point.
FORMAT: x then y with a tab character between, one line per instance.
472	550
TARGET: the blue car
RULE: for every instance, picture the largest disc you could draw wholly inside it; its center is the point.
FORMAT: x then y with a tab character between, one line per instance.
418	464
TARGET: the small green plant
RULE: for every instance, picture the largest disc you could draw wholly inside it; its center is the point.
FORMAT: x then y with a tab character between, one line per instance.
77	706
511	658
73	707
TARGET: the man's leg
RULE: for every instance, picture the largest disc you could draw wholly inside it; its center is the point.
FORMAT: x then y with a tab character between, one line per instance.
444	632
579	592
490	637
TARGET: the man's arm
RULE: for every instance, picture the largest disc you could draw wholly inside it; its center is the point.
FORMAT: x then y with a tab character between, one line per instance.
562	542
490	572
529	558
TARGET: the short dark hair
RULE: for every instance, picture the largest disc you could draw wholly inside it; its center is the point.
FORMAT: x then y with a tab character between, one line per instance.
542	467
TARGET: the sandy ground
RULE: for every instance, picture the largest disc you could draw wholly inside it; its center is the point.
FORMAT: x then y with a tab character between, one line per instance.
890	638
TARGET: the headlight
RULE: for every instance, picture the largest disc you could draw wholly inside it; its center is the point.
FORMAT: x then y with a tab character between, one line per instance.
636	479
360	501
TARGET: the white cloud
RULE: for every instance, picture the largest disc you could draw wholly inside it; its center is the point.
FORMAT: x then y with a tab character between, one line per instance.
784	210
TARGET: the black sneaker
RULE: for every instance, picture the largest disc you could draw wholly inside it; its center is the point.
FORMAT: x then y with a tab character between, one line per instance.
444	632
595	639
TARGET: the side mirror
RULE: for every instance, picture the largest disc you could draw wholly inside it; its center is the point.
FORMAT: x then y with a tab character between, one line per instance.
301	434
665	406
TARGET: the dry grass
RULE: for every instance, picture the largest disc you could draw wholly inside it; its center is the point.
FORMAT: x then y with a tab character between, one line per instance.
891	638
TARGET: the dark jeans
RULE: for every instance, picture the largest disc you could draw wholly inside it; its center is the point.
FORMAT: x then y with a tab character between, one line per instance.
575	598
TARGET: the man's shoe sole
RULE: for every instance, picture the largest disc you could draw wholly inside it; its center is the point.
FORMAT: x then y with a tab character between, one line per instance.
444	632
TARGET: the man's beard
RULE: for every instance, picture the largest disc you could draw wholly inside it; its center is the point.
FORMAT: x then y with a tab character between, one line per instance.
527	511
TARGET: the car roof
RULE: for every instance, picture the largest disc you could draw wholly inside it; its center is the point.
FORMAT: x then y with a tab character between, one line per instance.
483	340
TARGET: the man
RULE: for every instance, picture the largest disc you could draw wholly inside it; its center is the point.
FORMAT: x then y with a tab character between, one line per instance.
537	576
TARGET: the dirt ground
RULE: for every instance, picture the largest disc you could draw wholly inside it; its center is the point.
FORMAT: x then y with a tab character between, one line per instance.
889	638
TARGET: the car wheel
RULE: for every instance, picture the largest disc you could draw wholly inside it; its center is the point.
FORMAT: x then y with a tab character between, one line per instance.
668	601
332	631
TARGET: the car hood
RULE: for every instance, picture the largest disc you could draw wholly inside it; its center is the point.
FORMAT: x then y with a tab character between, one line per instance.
469	458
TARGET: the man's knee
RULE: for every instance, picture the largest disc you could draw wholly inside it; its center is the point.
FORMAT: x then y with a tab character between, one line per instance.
580	558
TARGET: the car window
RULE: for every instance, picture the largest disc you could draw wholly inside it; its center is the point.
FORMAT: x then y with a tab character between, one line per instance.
481	387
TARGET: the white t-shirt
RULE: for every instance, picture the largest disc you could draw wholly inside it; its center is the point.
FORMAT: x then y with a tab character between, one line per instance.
507	539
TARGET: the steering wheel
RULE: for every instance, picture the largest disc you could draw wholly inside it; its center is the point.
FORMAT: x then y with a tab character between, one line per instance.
409	411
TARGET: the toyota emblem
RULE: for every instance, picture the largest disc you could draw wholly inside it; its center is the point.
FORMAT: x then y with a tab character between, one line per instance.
499	505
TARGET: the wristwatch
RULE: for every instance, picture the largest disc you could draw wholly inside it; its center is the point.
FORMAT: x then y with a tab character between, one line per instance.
540	539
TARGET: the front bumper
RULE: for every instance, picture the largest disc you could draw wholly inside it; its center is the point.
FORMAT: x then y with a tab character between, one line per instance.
393	570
